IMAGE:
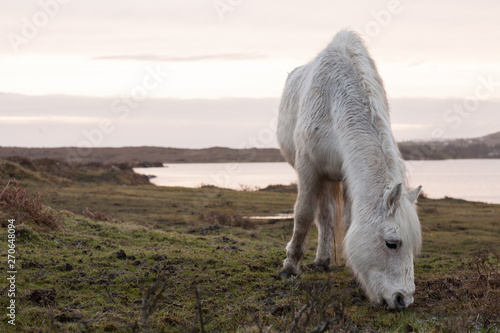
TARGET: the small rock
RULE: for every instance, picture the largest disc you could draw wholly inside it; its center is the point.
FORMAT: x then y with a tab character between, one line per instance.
269	301
230	248
121	255
43	297
159	257
280	310
68	317
67	267
357	301
136	262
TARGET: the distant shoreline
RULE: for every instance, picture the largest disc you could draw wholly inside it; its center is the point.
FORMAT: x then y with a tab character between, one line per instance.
487	147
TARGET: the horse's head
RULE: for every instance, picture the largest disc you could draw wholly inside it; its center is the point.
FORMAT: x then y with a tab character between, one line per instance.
380	247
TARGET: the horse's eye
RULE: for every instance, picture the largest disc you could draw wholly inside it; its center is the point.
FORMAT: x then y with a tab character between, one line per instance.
392	244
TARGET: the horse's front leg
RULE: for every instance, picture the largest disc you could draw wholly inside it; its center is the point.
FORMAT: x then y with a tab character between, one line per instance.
303	217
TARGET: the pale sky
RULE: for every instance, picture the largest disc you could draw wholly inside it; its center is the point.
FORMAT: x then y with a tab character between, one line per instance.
210	72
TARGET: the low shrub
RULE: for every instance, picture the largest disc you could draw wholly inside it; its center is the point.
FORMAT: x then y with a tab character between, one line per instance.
26	204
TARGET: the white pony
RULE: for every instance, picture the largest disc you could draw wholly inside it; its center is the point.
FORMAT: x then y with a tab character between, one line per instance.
334	129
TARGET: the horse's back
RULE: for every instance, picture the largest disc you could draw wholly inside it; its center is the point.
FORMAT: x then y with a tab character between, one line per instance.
288	114
326	100
313	100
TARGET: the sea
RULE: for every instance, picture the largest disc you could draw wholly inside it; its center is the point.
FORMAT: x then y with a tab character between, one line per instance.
469	179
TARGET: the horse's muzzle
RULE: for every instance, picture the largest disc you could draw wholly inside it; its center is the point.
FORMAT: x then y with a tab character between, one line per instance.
400	301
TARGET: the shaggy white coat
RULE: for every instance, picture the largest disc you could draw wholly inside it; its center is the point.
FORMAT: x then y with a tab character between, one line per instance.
334	128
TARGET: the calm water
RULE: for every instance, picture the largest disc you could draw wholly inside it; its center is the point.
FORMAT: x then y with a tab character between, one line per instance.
477	180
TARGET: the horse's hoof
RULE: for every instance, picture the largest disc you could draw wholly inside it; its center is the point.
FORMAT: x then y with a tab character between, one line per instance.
288	272
318	267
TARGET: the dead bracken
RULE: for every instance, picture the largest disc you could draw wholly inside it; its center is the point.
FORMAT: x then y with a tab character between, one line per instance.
24	204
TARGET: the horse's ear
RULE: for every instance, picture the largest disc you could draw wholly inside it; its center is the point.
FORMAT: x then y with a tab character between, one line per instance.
392	198
413	194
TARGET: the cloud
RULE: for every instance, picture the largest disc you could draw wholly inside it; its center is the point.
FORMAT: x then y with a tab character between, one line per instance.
399	126
62	120
53	119
202	57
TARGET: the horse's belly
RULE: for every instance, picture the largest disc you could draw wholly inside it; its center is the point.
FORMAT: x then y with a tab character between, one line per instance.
328	163
324	154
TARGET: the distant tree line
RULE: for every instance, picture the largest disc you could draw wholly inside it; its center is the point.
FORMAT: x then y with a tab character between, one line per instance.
447	150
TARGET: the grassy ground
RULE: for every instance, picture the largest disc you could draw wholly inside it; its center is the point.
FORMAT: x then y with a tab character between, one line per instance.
133	258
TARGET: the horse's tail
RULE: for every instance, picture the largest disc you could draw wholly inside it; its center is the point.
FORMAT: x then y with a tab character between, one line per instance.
338	227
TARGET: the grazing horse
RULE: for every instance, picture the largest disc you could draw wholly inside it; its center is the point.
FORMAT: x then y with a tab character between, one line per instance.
334	129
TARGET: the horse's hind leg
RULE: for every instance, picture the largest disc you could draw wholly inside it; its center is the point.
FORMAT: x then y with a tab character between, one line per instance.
304	210
325	216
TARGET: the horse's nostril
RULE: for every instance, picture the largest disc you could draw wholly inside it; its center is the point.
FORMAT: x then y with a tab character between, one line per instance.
399	300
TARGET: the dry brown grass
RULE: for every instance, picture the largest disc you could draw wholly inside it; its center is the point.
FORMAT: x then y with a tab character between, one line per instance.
23	204
227	219
472	291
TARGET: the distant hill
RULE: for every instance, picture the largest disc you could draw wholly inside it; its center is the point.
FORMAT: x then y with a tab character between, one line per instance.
146	156
491	139
50	171
483	147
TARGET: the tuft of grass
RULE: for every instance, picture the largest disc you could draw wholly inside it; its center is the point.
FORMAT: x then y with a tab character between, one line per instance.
150	298
292	188
322	310
96	215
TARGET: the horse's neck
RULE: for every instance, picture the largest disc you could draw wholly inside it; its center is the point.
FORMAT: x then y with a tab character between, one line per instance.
368	173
